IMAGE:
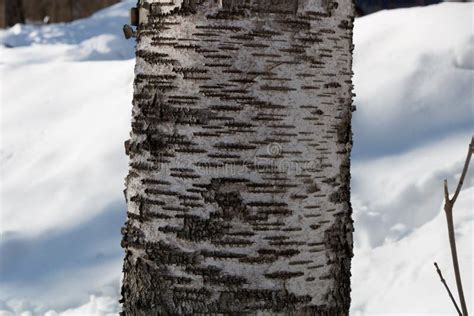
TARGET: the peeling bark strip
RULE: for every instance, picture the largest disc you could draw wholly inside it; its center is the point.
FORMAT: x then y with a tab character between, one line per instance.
238	191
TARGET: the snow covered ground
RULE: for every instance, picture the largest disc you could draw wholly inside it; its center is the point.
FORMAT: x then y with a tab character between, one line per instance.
65	109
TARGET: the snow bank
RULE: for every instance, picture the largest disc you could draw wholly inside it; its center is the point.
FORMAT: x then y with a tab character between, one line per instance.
415	100
401	230
62	167
64	117
412	77
98	37
395	195
65	110
400	277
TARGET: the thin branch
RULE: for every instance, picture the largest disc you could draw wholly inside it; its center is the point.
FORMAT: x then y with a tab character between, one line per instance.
447	289
446	191
464	171
448	208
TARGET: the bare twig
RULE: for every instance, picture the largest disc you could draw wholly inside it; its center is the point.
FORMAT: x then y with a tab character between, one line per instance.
447	289
464	171
446	190
448	208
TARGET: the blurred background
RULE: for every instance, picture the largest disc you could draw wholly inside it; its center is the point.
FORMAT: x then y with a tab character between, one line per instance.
66	86
48	11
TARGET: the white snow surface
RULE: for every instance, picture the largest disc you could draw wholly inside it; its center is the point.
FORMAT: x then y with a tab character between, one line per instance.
66	93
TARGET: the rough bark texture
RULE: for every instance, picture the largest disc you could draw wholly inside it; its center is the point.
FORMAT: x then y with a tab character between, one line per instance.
238	191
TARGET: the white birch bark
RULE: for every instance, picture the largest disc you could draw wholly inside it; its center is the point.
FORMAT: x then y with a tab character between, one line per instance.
238	190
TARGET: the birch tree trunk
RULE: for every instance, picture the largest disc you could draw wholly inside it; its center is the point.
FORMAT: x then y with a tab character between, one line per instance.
238	191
